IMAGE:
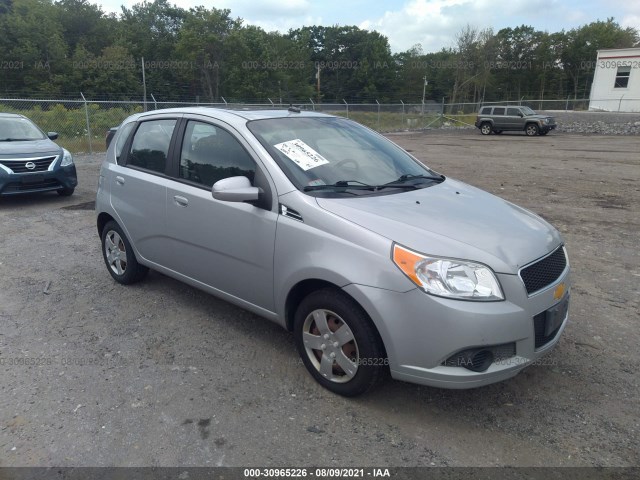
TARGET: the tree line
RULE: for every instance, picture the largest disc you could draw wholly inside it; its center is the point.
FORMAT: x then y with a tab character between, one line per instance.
57	48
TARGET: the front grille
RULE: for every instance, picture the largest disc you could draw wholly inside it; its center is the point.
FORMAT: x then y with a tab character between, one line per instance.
16	187
41	164
539	322
544	272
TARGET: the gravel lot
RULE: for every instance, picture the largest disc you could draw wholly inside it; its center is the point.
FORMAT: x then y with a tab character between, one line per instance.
162	374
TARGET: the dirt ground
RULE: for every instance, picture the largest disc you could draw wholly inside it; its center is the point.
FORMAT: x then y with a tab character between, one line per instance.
93	373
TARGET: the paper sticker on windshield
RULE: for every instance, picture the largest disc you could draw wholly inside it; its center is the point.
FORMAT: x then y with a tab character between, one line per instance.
301	154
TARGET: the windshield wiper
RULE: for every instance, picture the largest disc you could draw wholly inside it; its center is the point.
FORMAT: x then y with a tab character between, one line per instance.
407	177
340	184
14	139
348	184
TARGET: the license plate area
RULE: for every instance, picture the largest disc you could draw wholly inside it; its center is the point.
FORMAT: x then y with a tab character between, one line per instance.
32	178
555	316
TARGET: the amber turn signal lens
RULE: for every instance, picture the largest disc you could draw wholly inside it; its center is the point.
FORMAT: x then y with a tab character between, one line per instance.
406	261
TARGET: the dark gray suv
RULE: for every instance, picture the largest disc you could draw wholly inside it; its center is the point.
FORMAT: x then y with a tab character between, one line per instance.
501	118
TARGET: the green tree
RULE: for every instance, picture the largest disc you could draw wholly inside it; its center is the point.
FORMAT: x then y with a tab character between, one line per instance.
33	37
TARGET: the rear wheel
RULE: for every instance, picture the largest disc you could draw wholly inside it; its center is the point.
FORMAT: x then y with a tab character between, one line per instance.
531	129
65	192
338	344
485	128
119	257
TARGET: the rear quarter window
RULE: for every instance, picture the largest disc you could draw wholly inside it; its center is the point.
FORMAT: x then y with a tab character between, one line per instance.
123	136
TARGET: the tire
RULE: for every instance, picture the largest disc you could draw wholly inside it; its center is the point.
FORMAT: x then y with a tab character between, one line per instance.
338	343
531	129
65	192
119	257
485	128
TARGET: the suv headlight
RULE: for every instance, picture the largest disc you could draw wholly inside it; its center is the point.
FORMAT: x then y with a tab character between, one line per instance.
67	159
448	277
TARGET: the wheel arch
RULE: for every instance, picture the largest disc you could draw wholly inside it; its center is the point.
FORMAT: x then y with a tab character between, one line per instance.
305	287
102	220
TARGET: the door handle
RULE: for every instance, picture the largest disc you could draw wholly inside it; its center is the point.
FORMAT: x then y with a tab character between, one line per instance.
120	180
181	201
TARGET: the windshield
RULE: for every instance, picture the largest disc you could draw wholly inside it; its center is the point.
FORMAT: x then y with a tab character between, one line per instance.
527	111
327	155
15	129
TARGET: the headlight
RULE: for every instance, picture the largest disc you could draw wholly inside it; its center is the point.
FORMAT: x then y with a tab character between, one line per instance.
67	159
447	277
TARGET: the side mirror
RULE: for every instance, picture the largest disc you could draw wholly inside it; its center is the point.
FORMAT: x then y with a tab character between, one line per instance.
52	135
234	189
520	114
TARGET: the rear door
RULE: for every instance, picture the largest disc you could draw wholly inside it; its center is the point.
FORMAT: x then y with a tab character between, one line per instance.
139	184
499	119
225	245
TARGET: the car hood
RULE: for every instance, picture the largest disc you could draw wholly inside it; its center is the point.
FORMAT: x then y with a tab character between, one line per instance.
453	219
29	148
539	116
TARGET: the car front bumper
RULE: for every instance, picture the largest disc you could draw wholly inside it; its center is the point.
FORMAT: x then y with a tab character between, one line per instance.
423	333
57	179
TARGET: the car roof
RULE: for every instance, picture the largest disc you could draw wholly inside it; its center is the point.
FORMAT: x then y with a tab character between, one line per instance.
235	116
502	106
11	115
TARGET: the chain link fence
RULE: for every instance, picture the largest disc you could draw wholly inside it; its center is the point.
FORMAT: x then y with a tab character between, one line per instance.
82	124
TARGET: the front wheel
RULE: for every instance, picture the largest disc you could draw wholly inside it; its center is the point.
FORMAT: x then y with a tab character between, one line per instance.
532	129
485	128
119	257
338	344
65	192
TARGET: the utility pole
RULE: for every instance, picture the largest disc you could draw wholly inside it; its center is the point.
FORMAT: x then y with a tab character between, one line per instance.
144	87
424	91
318	77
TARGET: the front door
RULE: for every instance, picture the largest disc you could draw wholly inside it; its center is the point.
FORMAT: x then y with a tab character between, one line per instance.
226	245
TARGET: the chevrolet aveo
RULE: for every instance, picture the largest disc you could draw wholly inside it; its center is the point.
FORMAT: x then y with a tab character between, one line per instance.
376	263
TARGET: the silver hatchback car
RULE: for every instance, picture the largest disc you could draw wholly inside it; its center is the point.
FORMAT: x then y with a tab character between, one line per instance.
376	263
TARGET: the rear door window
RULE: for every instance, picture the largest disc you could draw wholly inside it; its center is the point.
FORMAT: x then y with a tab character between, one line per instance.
498	111
150	145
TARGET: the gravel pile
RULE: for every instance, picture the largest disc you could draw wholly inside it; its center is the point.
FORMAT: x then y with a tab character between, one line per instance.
604	123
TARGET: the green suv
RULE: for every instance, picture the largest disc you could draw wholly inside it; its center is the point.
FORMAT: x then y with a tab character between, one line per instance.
500	118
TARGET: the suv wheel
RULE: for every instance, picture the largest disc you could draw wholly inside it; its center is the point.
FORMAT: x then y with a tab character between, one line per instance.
485	128
338	344
119	257
531	129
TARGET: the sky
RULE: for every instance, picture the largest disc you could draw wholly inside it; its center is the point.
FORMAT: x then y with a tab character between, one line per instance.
431	23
